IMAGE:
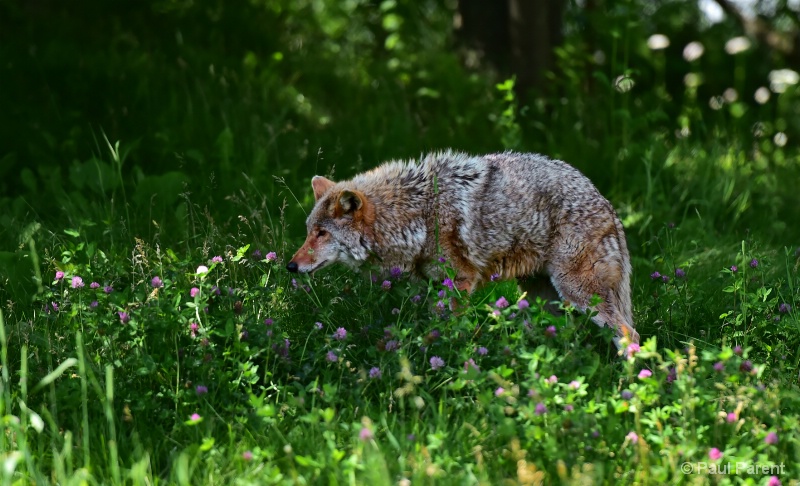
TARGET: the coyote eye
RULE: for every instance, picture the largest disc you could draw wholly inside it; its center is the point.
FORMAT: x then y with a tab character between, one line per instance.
321	232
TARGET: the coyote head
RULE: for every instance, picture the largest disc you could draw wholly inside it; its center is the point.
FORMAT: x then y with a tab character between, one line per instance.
339	228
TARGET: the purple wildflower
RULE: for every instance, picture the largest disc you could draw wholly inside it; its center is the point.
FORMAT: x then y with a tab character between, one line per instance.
633	437
375	373
737	350
94	285
340	334
470	363
568	407
448	282
715	454
365	434
494	277
774	481
124	317
247	456
719	366
396	272
672	374
731	417
632	349
541	409
523	304
331	356
665	279
645	374
442	259
500	390
283	351
552	380
753	263
195	417
54	306
734	268
550	331
256	254
77	283
272	256
156	282
94	304
269	322
317	325
442	294
746	366
436	363
416	299
216	259
108	289
626	394
679	273
784	308
483	351
201	389
194	292
771	438
59	275
574	384
392	345
386	285
655	275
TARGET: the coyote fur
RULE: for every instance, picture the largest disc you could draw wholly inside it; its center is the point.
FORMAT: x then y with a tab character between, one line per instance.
506	215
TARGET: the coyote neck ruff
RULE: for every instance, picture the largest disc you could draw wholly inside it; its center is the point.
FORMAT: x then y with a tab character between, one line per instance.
508	215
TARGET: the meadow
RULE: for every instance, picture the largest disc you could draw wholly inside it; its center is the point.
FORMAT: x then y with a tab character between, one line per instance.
155	168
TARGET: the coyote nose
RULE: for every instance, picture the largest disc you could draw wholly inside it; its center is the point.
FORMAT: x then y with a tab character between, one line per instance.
292	267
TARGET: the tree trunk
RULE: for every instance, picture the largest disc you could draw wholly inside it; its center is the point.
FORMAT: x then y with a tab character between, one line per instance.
535	27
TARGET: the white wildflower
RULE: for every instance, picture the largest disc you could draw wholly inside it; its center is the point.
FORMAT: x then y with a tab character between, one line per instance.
737	45
781	79
657	42
762	95
693	51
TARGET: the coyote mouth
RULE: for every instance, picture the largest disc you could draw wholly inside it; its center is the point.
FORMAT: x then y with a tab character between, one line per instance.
317	267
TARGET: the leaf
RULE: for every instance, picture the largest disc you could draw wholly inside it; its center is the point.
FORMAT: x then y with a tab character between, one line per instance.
207	444
51	377
36	421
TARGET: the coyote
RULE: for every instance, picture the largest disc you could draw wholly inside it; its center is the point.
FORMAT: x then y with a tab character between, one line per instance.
501	215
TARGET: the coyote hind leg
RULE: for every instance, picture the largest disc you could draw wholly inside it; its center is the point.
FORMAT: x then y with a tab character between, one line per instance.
596	268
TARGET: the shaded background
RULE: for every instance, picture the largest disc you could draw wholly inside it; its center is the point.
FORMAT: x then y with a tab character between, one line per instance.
209	99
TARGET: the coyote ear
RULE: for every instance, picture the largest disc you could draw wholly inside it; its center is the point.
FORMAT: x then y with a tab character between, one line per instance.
320	185
349	202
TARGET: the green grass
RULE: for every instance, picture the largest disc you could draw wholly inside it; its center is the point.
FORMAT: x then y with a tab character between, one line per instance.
205	148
